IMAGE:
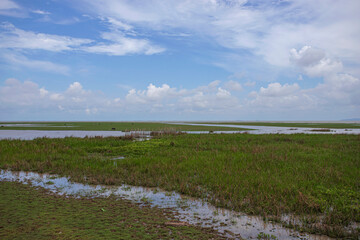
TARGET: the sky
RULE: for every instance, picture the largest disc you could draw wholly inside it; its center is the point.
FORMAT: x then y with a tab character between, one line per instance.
123	60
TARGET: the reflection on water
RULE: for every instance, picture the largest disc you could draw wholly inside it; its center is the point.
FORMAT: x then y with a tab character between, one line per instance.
193	211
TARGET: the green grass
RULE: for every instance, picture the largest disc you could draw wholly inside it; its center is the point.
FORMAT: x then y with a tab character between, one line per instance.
310	176
294	125
109	126
30	213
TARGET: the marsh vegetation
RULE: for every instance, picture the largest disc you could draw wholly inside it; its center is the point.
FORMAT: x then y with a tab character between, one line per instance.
313	177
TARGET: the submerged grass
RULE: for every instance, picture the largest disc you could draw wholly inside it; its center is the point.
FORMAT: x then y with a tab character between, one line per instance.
315	177
109	126
30	213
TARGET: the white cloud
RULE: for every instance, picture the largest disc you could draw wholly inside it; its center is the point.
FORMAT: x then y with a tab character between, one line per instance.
314	62
12	37
338	87
339	92
277	97
21	94
152	93
28	96
222	93
7	4
233	86
41	12
278	90
10	8
118	25
117	43
250	84
56	97
267	28
75	88
121	45
22	61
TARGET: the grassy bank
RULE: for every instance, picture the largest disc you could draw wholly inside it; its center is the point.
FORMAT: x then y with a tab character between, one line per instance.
29	213
315	177
108	126
292	124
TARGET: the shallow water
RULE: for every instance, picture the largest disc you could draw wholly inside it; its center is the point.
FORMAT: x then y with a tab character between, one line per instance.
32	134
193	211
145	135
274	130
29	125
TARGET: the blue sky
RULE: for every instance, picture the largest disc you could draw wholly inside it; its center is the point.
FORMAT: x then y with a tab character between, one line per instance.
179	60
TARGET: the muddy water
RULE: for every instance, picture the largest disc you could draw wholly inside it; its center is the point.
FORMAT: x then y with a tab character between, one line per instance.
193	211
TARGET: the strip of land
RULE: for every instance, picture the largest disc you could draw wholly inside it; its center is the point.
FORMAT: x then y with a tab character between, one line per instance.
314	177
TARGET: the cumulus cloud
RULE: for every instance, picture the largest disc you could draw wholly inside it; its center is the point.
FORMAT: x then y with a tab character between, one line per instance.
337	90
25	93
203	98
250	83
277	97
27	96
314	62
338	87
222	93
233	86
278	90
152	93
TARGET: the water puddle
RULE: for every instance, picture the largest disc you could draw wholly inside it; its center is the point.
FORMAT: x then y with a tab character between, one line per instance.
116	159
194	211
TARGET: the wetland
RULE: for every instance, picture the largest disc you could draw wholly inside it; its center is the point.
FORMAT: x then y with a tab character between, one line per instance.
311	178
